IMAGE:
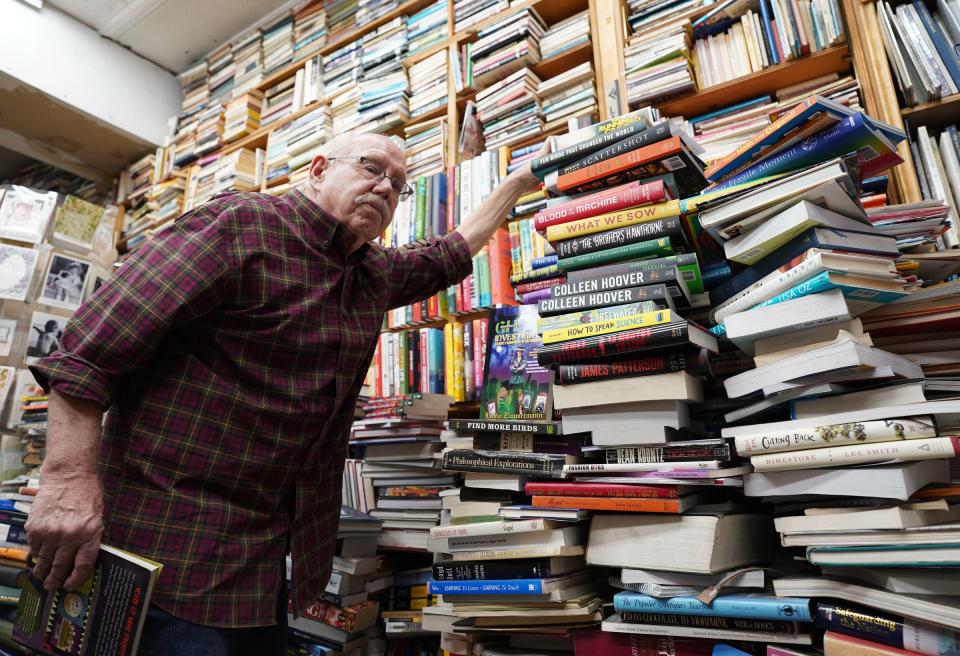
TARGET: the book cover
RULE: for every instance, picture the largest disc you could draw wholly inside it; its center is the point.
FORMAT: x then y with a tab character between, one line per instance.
750	606
515	385
503	425
637	251
607	326
886	628
521	568
612	220
671	227
104	615
632	194
687	263
693	362
657	293
674	334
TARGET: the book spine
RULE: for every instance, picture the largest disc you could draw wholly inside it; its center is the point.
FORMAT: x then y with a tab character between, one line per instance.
631	194
592	316
341	618
640	250
526	443
527	287
887	629
856	454
885	430
612	220
602	490
636	278
496	425
604	137
651	135
495	587
607	298
13	534
774	283
621	504
667	227
687	263
488	528
495	570
524	464
615	468
711	622
631	341
668	454
548	551
756	608
536	274
659	363
606	327
618	164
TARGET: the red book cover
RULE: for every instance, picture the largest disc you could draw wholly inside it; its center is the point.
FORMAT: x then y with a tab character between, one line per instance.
603	490
537	285
595	641
458	295
626	195
465	304
627	161
621	504
417	314
433	307
501	291
628	341
350	618
377	368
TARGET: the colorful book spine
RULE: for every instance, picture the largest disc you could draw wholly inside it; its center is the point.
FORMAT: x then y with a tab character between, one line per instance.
657	363
488	587
640	250
671	227
746	606
592	316
687	263
885	628
886	430
658	293
612	220
615	504
602	490
607	326
632	194
631	341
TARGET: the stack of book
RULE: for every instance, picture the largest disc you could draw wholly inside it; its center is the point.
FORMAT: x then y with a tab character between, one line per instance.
428	84
566	35
277	101
657	58
342	67
309	30
427	27
165	201
383	89
291	147
341	17
469	12
202	179
343	619
370	10
509	44
247	64
510	109
915	226
209	129
425	147
239	171
530	253
193	83
242	116
278	44
919	42
937	161
569	98
220	72
136	179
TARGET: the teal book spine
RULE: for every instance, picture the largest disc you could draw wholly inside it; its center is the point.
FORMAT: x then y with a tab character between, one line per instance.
745	606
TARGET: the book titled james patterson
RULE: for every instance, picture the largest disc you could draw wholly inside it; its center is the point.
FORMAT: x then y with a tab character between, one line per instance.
515	385
104	615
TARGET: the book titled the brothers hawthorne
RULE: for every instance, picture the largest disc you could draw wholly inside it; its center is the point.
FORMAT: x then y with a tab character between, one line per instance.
103	616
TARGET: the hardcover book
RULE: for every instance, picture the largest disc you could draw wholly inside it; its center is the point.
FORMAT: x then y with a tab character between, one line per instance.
515	385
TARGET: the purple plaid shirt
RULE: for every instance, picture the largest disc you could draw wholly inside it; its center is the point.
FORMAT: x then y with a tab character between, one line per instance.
230	352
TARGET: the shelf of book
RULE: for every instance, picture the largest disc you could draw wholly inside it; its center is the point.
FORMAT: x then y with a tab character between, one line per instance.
439	323
563	62
767	81
934	114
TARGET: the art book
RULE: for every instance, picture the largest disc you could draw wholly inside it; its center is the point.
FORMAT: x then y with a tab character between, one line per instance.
515	385
24	214
76	223
103	616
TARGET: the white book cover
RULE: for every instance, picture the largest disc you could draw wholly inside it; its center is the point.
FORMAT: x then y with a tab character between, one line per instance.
832	435
951	166
25	214
897	481
615	624
859	454
744	328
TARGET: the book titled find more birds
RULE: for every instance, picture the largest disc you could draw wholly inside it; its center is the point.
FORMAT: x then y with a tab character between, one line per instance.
515	385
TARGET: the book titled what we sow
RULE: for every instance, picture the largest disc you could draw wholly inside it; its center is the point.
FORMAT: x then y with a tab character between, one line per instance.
103	616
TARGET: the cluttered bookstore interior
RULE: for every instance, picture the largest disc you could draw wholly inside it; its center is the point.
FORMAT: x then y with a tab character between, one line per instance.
699	395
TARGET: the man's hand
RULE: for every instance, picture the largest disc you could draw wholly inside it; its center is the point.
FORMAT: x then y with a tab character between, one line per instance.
64	528
528	181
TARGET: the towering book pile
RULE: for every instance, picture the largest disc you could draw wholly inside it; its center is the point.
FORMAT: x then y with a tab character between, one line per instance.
427	27
937	161
398	439
242	116
309	30
657	58
510	109
220	72
428	85
344	619
247	64
569	98
468	12
425	147
196	93
920	44
383	89
277	45
291	147
510	44
209	129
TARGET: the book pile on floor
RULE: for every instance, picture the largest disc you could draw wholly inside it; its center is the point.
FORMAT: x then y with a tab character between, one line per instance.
309	30
428	85
569	98
344	619
383	86
398	439
510	109
427	27
510	44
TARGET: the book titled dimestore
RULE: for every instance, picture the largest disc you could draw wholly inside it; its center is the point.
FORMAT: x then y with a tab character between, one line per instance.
104	615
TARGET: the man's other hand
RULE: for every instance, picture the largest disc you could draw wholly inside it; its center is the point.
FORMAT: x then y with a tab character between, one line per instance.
528	180
64	529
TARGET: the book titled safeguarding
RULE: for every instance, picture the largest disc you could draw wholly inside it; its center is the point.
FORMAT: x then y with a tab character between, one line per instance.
748	606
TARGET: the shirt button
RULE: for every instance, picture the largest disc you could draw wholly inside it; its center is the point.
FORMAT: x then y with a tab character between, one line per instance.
324	244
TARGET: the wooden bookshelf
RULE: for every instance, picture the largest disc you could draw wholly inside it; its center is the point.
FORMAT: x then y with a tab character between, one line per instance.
936	114
561	63
832	60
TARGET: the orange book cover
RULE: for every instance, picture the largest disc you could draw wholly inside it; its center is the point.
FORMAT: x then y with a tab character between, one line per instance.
501	291
620	163
609	503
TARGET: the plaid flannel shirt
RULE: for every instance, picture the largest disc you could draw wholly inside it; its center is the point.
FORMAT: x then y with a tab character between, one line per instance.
230	352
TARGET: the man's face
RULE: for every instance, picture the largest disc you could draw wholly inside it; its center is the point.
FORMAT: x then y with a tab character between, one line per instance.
349	189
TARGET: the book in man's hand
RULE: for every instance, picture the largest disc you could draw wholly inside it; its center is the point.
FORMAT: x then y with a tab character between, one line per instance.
104	615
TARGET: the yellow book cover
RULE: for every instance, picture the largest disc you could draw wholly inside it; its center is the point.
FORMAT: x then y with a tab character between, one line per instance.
613	220
449	385
460	391
607	326
503	159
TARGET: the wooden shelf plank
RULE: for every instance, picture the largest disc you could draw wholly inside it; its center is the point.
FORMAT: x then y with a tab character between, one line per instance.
767	81
563	62
936	114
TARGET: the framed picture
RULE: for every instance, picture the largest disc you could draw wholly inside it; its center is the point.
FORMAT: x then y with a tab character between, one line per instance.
8	330
76	223
95	280
45	333
24	214
64	281
7	377
16	271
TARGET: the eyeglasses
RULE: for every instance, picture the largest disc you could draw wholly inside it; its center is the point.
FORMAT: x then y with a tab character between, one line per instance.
373	171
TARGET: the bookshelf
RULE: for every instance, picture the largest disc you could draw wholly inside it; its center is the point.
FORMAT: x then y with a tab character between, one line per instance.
936	113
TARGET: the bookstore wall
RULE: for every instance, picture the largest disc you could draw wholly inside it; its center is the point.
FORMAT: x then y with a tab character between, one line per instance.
701	391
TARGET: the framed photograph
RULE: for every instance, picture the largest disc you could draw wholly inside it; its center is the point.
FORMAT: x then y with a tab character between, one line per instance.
8	330
95	280
25	214
64	281
16	271
45	333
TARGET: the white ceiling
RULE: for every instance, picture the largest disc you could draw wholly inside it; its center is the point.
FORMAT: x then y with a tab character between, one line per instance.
170	33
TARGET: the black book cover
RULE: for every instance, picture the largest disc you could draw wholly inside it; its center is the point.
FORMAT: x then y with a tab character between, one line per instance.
666	227
590	300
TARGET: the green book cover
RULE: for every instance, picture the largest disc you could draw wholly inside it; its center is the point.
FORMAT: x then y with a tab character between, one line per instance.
420	221
642	250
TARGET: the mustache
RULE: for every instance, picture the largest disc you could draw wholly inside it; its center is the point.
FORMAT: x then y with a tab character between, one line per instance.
375	200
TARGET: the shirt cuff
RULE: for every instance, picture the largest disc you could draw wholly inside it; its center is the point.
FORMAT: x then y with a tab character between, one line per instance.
459	264
73	376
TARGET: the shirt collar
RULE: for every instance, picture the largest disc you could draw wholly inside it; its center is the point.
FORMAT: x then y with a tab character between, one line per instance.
321	228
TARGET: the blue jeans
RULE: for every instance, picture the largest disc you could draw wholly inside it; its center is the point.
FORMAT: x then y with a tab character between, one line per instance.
166	635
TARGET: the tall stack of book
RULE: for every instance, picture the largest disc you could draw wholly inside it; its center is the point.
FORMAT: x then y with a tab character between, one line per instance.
278	44
427	27
469	12
510	109
201	184
657	58
425	147
239	171
242	116
209	129
937	162
291	147
569	98
247	64
510	44
343	620
383	87
278	101
196	95
428	84
309	30
566	35
341	17
165	201
220	73
370	10
342	67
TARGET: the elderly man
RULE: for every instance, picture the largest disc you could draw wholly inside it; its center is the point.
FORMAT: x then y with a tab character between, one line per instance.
230	352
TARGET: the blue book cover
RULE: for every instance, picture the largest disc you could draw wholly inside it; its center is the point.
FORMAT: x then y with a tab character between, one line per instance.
949	55
496	587
545	261
828	280
757	607
765	18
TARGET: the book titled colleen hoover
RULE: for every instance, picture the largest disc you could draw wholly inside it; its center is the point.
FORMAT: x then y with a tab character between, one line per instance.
104	615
